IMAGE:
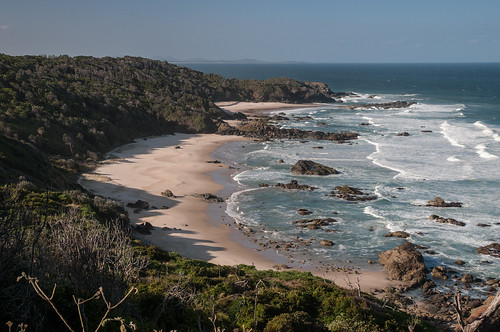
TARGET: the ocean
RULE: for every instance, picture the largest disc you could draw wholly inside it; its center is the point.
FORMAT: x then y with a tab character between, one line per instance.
452	151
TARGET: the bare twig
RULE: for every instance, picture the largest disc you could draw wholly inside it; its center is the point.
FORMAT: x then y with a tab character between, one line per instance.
79	302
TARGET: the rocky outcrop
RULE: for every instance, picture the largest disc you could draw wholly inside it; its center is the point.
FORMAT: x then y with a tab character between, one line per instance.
262	130
313	223
304	212
144	228
294	185
326	243
210	197
308	167
385	106
403	133
439	272
351	194
142	205
446	220
439	202
400	234
492	249
404	263
168	193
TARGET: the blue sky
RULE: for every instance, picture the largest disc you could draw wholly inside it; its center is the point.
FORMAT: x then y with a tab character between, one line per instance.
314	30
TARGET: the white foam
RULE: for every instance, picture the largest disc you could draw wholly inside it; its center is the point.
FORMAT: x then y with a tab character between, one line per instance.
447	130
371	211
481	151
487	131
453	159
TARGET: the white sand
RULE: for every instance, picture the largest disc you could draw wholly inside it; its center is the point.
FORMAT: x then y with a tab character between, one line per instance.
258	108
144	169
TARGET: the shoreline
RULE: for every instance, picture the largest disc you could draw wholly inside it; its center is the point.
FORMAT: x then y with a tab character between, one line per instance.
190	226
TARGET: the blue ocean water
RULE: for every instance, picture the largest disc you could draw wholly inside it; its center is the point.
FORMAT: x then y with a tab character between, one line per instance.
452	151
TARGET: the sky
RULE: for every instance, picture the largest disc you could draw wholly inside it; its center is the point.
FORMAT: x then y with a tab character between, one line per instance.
321	31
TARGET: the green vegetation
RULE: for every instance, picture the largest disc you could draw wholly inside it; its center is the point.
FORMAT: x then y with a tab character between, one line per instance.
76	109
60	114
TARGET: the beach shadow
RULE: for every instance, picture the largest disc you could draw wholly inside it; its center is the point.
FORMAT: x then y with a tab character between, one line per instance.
187	247
126	195
200	248
147	145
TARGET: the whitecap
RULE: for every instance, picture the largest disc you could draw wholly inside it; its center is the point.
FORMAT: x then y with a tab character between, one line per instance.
487	131
448	130
453	159
481	151
371	212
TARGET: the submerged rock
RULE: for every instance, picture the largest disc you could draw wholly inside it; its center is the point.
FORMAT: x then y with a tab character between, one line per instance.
304	212
309	167
404	263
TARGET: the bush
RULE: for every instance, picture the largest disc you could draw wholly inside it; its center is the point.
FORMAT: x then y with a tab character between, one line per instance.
289	322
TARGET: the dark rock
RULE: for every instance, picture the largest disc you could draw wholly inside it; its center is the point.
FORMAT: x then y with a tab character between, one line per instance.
439	272
467	278
404	133
295	185
428	285
263	185
308	167
168	193
460	262
404	263
304	212
314	223
446	220
317	147
326	243
426	131
144	228
281	161
210	197
385	106
483	225
351	194
492	249
439	202
400	234
139	205
214	162
261	129
364	124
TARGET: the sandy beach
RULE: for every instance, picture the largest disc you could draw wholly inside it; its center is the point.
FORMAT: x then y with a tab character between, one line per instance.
186	224
259	108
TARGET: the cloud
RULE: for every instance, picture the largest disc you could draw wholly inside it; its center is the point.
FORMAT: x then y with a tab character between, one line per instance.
3	27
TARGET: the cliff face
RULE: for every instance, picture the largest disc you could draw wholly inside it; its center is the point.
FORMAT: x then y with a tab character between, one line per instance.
81	107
